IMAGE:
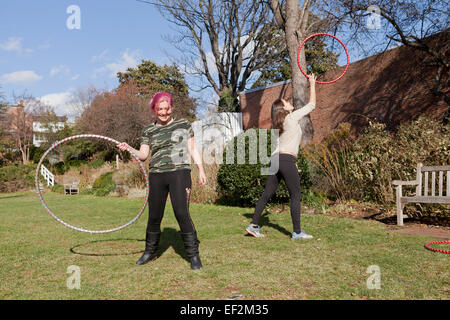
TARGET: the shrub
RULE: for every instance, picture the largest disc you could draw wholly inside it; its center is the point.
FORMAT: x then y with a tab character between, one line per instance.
81	149
124	176
36	153
130	174
104	184
24	173
364	168
86	191
60	168
331	158
380	157
17	177
243	184
75	163
57	188
96	163
315	199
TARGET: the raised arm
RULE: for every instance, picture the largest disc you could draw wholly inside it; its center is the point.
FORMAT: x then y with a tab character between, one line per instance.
312	89
310	106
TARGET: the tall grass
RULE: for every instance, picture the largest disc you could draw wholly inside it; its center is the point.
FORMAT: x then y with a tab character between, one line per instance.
207	193
363	168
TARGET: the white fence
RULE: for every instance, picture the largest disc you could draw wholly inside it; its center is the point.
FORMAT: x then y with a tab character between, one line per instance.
48	176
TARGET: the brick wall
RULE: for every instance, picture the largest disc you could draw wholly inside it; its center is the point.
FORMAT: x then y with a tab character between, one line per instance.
391	87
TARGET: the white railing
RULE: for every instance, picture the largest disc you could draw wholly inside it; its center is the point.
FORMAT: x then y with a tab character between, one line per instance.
48	176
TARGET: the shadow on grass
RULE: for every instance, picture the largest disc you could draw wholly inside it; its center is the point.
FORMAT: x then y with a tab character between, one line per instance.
14	196
169	237
172	238
95	254
264	221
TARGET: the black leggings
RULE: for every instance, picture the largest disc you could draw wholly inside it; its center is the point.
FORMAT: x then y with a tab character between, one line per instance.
178	183
289	172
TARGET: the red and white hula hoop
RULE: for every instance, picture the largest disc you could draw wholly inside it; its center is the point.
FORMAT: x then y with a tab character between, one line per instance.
38	191
322	34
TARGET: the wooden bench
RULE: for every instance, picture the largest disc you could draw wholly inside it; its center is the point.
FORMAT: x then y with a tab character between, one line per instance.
72	188
422	184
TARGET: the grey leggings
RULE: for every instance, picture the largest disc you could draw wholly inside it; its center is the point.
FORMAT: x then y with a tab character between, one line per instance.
288	171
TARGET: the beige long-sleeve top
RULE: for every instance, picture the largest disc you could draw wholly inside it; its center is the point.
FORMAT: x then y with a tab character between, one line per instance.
289	140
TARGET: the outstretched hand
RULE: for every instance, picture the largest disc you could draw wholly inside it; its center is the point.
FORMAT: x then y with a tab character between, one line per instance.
312	78
123	146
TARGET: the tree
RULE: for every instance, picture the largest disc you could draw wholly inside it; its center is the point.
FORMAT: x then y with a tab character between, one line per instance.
3	108
223	42
5	139
19	121
228	103
319	60
83	98
150	78
20	125
120	114
295	22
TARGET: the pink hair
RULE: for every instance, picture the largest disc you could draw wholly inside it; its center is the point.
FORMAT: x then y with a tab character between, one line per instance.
158	97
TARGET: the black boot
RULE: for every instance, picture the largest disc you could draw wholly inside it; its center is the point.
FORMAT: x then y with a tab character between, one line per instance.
151	246
191	244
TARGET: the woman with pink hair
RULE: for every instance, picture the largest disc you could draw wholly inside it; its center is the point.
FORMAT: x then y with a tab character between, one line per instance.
171	143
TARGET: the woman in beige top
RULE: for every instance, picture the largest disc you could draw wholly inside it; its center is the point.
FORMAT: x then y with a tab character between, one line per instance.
285	119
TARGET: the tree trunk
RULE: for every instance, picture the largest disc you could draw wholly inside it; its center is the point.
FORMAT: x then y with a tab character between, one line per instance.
294	37
25	151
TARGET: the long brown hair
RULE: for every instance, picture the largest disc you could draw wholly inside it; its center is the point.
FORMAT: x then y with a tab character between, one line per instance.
278	115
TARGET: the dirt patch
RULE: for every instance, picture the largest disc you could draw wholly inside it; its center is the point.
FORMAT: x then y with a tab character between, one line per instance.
424	230
430	221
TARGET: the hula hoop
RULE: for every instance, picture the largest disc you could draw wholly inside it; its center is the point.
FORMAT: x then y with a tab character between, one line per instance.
323	34
437	250
38	191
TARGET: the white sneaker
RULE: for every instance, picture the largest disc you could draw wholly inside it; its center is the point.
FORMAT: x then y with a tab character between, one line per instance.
301	235
254	231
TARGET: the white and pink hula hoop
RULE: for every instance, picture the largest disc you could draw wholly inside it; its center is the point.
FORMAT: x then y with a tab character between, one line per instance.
82	136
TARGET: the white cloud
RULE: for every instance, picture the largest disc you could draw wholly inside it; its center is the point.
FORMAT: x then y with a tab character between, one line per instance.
20	77
75	77
128	59
61	69
61	102
14	44
100	57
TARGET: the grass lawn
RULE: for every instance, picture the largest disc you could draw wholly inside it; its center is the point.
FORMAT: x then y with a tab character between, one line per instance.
36	251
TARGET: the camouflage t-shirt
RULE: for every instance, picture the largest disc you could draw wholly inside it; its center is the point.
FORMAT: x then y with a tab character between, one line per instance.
168	145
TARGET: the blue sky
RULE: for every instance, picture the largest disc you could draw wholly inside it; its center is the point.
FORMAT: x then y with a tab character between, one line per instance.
40	54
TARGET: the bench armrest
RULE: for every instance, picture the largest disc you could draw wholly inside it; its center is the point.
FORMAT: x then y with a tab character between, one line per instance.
405	183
